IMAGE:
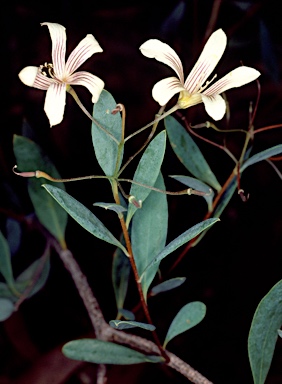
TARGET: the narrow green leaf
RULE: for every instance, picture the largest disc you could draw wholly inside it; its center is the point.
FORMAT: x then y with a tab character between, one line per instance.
120	276
83	215
276	150
180	240
5	261
147	171
6	293
188	316
121	324
149	231
199	186
263	333
6	308
189	153
167	285
103	352
126	314
111	206
31	158
106	149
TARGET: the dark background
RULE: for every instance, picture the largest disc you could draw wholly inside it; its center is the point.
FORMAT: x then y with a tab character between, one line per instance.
238	261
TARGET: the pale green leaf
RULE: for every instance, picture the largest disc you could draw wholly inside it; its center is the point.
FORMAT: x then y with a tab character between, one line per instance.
149	231
189	153
103	352
122	324
188	316
108	152
29	158
126	314
267	153
111	206
147	171
6	308
263	333
180	240
167	285
83	215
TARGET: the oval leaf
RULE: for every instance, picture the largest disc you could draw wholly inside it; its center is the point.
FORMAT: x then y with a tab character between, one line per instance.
263	333
180	240
121	324
6	308
167	285
188	316
103	352
276	150
106	149
149	231
147	171
31	158
189	153
83	215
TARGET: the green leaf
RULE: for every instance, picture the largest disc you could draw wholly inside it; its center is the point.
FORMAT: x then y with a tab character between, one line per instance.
31	158
83	215
6	308
6	293
149	231
279	333
263	333
199	186
167	285
121	324
188	316
126	314
106	149
276	150
189	153
103	352
120	276
147	171
111	206
180	240
5	261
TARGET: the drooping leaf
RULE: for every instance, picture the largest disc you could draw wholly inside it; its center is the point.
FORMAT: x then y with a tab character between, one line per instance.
31	158
180	240
199	186
120	276
103	352
147	171
106	149
83	215
5	261
188	316
121	324
6	308
189	153
111	206
167	285
149	231
276	150
263	333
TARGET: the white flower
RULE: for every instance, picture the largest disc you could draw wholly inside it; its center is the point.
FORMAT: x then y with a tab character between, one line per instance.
56	77
194	89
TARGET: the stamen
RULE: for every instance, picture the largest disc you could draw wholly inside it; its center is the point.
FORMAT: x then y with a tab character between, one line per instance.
47	70
207	84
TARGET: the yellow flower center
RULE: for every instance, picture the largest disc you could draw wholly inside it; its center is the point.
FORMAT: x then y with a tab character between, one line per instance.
187	99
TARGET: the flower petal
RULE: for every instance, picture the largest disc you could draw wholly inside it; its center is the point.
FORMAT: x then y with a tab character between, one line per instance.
163	52
55	103
33	78
236	78
215	106
165	89
85	49
93	83
210	56
58	37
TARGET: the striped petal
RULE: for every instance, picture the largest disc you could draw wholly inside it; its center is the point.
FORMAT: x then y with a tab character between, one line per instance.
210	56
33	78
236	78
163	52
93	83
165	89
58	37
85	49
55	103
215	106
